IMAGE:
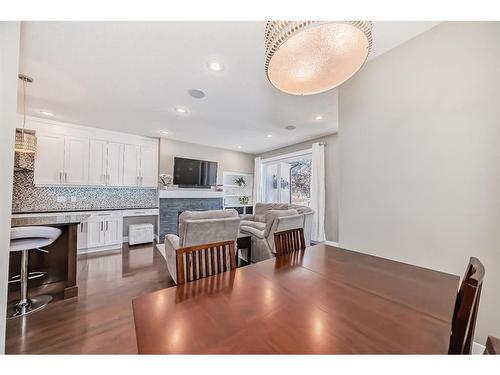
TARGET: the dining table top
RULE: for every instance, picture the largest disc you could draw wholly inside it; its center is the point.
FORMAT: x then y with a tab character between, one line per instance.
321	300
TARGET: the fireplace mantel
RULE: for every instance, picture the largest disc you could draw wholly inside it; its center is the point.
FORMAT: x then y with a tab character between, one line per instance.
190	193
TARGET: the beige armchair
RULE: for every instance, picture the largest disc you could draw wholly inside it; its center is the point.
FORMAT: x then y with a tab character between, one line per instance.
258	220
263	233
198	228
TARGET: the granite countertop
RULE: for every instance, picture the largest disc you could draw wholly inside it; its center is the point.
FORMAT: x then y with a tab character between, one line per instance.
82	210
48	220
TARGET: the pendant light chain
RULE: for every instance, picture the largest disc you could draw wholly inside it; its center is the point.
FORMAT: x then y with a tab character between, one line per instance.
24	106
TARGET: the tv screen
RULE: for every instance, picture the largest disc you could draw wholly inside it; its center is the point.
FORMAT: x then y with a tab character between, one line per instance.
191	172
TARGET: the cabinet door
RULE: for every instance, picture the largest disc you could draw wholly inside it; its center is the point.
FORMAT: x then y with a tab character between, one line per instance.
97	162
149	166
131	164
113	231
76	161
95	233
49	159
82	236
115	164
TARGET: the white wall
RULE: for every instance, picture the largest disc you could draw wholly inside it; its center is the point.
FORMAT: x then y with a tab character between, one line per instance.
9	60
331	178
227	160
420	156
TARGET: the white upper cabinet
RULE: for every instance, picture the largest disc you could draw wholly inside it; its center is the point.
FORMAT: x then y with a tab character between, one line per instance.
149	165
49	159
74	155
105	163
97	162
76	161
114	165
131	165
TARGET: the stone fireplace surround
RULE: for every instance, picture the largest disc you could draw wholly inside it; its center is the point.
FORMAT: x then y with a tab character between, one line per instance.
178	200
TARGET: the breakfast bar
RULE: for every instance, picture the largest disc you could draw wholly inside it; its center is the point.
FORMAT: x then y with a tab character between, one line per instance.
57	264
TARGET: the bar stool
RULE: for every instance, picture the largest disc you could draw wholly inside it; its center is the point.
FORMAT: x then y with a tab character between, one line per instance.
25	239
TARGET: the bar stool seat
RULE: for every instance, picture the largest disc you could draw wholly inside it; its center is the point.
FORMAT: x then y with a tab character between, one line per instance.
24	239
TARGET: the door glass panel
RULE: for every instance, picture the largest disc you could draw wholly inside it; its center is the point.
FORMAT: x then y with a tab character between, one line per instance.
288	180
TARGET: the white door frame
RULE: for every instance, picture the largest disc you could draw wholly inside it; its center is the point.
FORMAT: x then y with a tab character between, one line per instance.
9	61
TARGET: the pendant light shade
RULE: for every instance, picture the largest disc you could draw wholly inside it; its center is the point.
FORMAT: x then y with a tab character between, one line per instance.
25	140
310	57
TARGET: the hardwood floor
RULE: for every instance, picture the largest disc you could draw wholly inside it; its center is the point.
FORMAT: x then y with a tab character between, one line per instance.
100	319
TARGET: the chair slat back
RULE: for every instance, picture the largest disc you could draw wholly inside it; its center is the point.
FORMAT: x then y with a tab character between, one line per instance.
196	262
466	307
288	241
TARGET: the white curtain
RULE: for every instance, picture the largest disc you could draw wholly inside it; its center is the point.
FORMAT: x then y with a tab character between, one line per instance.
258	191
318	192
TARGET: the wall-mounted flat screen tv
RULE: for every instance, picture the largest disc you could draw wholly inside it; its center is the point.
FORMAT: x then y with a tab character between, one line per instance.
194	173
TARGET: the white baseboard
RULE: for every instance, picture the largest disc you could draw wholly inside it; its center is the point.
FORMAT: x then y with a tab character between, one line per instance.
99	249
331	243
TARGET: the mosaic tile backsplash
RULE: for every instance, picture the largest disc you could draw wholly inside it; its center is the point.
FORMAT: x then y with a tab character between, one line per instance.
26	197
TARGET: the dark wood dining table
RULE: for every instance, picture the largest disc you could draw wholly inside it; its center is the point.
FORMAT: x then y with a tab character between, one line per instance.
321	300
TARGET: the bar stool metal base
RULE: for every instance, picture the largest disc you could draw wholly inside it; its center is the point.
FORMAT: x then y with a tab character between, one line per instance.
15	309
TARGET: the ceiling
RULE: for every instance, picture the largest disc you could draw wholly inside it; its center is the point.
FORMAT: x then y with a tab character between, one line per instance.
130	77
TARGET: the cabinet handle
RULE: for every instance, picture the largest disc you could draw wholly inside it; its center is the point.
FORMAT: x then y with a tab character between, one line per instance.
102	226
107	182
66	177
60	177
107	225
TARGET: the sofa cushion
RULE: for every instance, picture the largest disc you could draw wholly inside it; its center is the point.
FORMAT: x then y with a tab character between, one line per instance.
262	208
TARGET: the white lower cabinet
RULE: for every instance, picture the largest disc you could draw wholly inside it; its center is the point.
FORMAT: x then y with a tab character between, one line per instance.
104	232
82	236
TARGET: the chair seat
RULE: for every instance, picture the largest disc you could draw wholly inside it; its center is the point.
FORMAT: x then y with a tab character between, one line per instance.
29	243
26	238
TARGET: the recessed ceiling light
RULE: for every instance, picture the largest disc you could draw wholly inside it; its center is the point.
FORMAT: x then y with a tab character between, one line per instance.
197	94
180	110
239	146
215	66
269	136
164	132
47	113
290	127
318	118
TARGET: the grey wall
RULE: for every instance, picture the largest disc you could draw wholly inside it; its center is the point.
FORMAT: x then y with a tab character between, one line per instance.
420	156
9	60
227	160
331	178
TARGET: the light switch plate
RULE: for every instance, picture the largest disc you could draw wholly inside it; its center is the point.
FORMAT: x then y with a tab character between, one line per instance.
73	199
61	199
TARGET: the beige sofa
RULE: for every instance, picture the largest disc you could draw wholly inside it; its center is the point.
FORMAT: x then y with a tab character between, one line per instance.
198	228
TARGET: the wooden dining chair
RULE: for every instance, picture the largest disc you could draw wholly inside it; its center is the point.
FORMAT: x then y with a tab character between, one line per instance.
288	241
196	262
466	306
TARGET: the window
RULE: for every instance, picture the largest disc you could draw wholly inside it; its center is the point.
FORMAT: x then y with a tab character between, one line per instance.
287	179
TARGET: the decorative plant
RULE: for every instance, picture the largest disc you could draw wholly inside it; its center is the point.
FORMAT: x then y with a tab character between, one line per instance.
165	179
243	200
285	184
240	181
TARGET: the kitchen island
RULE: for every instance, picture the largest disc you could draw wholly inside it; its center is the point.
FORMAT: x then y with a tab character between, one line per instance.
59	264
